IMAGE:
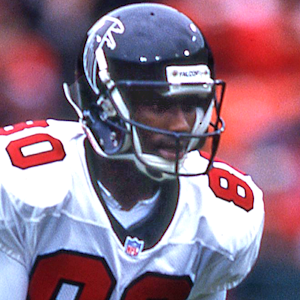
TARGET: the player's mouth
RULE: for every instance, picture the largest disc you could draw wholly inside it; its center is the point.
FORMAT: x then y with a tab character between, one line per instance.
171	152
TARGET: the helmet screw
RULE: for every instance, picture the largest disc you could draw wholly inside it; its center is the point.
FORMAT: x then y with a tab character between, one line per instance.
113	136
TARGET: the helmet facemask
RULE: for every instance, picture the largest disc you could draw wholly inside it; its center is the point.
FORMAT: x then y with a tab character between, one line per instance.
114	136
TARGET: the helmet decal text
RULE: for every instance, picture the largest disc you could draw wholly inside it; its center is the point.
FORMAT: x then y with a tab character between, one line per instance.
188	74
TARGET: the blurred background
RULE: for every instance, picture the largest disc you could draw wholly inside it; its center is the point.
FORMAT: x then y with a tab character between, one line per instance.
256	47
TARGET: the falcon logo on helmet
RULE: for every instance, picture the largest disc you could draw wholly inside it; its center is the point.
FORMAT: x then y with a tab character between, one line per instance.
93	55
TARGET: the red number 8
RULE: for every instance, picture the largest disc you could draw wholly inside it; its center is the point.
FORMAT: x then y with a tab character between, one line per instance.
231	188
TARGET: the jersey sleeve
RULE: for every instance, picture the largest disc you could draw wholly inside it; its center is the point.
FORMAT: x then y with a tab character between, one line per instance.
34	178
230	229
12	229
13	278
224	273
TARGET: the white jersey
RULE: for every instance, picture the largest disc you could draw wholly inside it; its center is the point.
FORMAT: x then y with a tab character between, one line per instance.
204	240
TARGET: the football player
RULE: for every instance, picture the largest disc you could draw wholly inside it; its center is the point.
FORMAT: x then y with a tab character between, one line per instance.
122	204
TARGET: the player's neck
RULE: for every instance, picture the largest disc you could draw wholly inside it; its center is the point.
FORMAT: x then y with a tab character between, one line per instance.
122	179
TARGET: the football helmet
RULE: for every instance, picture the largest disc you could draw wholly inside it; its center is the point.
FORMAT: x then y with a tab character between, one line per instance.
141	52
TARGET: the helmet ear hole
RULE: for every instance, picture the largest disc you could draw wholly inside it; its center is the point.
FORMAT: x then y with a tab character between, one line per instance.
110	132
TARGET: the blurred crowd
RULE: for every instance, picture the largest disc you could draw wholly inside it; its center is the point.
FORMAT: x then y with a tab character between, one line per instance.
256	46
39	44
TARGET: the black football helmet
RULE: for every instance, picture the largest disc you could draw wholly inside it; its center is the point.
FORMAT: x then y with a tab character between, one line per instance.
131	54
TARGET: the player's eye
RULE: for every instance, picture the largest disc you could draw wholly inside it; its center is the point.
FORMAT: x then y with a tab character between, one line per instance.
159	108
188	108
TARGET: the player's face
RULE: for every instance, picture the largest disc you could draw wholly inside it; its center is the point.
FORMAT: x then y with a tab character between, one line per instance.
169	115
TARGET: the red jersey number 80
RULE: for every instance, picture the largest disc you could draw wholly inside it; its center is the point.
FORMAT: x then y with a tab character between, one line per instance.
33	150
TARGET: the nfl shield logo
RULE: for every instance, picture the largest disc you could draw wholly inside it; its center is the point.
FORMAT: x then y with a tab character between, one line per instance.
133	246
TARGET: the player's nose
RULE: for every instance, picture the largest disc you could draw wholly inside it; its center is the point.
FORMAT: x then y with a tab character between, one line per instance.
179	120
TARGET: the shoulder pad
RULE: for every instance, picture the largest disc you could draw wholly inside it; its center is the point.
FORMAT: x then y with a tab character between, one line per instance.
35	166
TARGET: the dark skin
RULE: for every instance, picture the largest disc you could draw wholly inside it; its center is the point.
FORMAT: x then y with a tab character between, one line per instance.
122	178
